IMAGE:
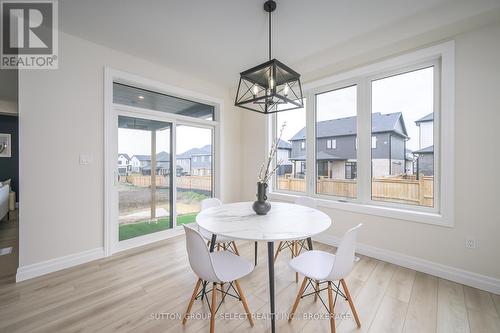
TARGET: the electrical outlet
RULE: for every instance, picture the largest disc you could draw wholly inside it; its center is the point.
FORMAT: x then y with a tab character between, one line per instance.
470	243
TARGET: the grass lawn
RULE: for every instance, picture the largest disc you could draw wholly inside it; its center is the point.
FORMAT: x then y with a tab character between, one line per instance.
132	230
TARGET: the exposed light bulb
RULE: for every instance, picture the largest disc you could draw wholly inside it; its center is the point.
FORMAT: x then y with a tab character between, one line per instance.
255	90
271	83
285	90
140	97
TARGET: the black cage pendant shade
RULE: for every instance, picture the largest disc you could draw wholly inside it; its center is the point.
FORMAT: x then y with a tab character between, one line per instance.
269	87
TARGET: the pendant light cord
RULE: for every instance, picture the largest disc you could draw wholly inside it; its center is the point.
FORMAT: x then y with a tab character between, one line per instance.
270	12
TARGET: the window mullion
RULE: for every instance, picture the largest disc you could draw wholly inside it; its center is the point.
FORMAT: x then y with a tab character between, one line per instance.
311	144
364	141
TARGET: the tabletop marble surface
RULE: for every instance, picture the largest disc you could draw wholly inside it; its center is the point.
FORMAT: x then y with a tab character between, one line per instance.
285	221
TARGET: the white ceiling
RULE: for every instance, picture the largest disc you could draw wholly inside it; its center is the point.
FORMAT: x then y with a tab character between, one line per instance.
216	39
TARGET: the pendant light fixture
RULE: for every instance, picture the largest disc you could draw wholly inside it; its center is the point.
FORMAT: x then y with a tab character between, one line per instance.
272	86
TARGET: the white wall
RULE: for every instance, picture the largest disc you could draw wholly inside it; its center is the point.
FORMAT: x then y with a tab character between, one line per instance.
477	209
61	115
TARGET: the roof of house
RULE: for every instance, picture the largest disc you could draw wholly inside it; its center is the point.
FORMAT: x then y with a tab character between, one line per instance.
124	155
282	144
426	150
429	117
205	150
160	157
322	155
142	157
347	126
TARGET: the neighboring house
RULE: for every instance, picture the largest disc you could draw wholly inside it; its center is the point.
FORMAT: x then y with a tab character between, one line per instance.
283	154
196	161
410	162
425	161
425	154
124	166
142	164
140	161
336	145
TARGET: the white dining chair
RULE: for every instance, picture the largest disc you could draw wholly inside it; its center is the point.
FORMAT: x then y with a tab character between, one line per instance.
296	246
326	268
221	242
218	269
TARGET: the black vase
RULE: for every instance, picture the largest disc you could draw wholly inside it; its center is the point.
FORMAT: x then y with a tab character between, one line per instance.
261	206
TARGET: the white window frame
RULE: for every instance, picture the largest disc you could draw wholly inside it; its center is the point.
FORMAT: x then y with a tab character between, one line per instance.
443	57
374	142
111	112
331	144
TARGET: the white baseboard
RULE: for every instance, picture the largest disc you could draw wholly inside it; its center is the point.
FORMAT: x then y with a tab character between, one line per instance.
52	265
458	275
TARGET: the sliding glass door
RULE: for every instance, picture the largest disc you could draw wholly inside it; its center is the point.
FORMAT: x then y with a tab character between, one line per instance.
144	171
194	175
161	159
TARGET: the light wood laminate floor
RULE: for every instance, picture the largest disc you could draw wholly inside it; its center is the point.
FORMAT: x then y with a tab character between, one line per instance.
135	291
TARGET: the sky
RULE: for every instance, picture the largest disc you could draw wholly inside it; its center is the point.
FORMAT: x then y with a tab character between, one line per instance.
138	142
410	93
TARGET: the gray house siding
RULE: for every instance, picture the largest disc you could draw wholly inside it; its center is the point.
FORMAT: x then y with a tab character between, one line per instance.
297	152
345	147
425	164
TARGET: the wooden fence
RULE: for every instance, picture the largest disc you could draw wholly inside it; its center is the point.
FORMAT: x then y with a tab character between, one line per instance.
406	190
393	189
203	183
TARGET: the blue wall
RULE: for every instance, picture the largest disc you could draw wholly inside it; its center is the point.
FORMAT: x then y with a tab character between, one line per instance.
9	167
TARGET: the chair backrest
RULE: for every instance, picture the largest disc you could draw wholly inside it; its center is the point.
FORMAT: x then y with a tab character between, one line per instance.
306	201
199	256
344	258
209	203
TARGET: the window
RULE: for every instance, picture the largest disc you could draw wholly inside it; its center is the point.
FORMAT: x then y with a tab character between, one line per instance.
331	144
350	170
291	174
383	138
405	126
336	116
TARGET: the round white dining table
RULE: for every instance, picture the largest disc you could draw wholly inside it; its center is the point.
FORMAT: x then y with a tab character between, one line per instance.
284	222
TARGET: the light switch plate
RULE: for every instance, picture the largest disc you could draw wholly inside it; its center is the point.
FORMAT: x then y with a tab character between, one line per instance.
85	159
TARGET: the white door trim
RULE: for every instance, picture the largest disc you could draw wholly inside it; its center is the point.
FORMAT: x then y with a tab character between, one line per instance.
111	244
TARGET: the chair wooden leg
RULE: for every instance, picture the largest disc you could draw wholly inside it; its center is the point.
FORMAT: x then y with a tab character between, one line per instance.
244	301
191	301
277	251
218	246
213	307
224	246
317	289
351	303
297	299
296	254
330	307
235	249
